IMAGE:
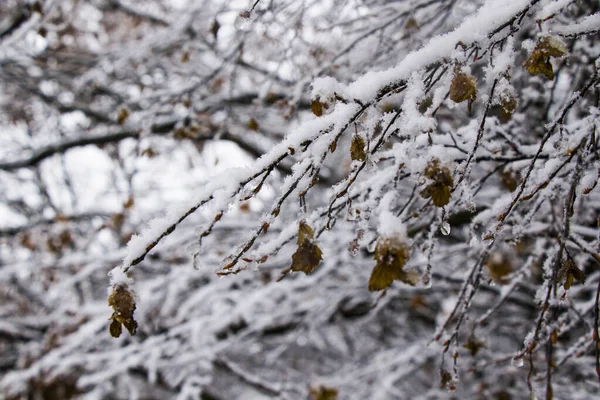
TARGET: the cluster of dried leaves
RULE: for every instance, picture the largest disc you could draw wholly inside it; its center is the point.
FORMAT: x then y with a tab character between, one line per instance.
122	301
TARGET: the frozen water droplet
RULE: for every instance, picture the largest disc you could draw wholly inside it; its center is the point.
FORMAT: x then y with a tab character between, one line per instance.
517	362
445	229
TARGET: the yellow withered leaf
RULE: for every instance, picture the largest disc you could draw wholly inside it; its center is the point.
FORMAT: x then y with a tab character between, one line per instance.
392	255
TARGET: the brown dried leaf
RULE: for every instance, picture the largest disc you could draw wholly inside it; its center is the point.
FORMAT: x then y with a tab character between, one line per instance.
538	62
316	107
510	180
474	345
115	328
499	267
323	393
122	116
508	105
307	257
214	28
357	149
391	254
571	273
122	301
463	88
252	124
445	378
305	232
441	183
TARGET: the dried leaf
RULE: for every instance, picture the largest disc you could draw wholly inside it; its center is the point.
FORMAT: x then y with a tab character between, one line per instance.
392	255
316	107
538	62
252	124
508	105
308	255
440	188
115	328
306	258
323	393
498	266
333	146
425	104
129	203
445	378
214	28
571	273
357	149
463	88
510	180
122	116
122	301
305	232
474	345
411	24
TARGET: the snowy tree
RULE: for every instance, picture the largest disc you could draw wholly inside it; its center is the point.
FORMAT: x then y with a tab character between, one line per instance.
299	199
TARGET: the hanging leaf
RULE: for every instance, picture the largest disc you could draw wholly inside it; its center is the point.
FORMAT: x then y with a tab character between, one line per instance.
122	116
445	379
122	301
214	28
391	254
357	149
305	232
441	183
498	266
115	328
538	62
571	274
474	345
508	105
424	104
411	24
510	180
318	107
306	258
252	124
463	87
308	255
